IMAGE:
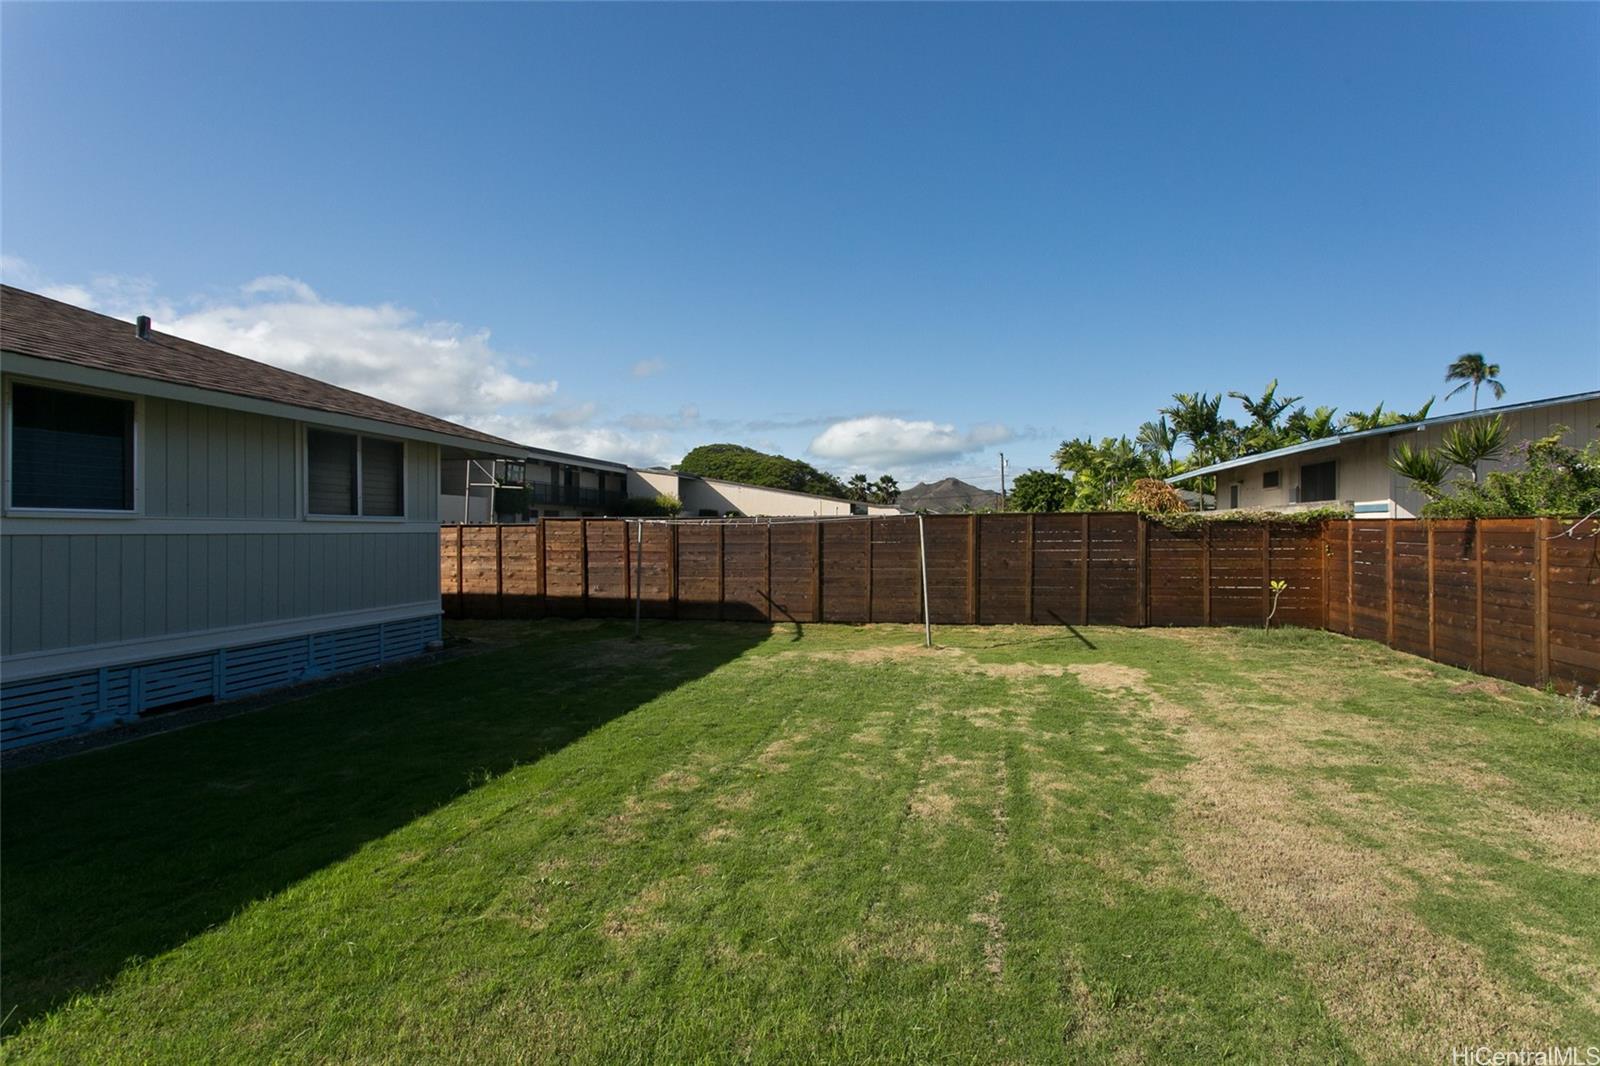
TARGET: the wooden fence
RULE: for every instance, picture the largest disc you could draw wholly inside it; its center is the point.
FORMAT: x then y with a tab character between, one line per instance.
1114	569
1517	598
1507	597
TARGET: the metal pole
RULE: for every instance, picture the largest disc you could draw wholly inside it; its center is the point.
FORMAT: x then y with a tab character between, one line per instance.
922	555
638	579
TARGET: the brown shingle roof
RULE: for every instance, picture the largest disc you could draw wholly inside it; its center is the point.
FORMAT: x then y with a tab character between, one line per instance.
49	329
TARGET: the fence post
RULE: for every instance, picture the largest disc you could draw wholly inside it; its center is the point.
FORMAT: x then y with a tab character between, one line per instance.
1083	568
500	570
627	563
867	525
1266	571
1388	582
583	563
816	570
1205	572
1477	581
672	571
1350	577
722	566
1325	552
769	570
1141	569
539	570
1432	646
972	569
461	581
1541	601
1027	575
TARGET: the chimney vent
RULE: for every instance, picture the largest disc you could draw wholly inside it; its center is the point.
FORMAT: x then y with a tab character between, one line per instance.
144	327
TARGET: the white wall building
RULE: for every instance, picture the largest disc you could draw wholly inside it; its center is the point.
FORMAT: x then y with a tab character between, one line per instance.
1352	470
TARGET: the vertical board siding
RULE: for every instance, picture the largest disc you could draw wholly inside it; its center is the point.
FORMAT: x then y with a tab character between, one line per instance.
81	590
1410	583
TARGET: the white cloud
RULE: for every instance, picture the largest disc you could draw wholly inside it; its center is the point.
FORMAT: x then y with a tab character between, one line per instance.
648	367
881	441
384	350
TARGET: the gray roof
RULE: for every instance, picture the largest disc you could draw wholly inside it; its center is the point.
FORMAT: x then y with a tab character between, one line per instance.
1381	431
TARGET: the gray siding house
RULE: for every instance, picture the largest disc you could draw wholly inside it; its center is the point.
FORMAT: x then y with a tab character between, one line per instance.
181	524
1352	470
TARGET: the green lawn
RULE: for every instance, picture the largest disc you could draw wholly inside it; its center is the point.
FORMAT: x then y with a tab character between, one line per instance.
730	842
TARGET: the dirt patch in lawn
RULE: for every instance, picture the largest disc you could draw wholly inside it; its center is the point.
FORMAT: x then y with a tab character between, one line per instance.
1344	912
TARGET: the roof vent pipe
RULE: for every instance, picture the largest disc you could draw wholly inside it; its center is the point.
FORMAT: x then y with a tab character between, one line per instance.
144	327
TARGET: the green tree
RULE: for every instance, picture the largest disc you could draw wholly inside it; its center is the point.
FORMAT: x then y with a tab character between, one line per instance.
1263	434
734	462
1549	478
1422	467
885	490
1040	491
1474	371
1302	425
1467	444
858	488
1100	471
1158	440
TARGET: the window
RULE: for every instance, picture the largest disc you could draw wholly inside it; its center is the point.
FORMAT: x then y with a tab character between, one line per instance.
514	475
1269	480
1233	496
71	450
347	474
1317	482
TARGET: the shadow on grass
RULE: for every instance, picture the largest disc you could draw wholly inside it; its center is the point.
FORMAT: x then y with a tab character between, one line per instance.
127	852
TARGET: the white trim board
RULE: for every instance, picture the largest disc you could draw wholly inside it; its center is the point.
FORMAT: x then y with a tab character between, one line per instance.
114	653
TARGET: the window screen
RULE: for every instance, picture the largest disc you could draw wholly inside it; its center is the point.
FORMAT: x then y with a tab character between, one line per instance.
71	450
1317	482
1269	480
331	472
383	464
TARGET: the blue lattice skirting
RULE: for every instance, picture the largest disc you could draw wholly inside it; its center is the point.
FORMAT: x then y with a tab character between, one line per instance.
49	708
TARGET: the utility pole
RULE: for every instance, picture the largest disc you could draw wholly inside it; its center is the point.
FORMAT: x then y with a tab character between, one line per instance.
1002	481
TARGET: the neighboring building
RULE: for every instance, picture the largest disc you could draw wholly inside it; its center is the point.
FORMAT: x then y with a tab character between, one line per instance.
537	484
182	524
707	497
1352	470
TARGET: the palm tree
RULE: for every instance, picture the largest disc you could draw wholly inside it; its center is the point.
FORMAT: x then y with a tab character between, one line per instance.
1310	425
885	490
1420	466
858	487
1264	413
1471	369
1468	444
1157	440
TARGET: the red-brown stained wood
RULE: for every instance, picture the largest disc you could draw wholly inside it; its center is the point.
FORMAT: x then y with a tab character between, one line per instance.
1513	597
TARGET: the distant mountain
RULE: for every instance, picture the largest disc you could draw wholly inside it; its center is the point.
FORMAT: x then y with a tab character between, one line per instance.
948	496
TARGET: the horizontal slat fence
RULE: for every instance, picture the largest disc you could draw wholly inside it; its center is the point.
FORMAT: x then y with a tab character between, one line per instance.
1517	598
1112	569
1514	598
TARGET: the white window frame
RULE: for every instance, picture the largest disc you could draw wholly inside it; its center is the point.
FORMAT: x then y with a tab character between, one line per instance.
137	510
306	429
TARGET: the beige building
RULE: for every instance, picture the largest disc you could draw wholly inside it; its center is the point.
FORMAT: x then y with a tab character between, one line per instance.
708	497
1352	470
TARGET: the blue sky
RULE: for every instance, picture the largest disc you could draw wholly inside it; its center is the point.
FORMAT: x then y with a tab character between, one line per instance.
901	237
